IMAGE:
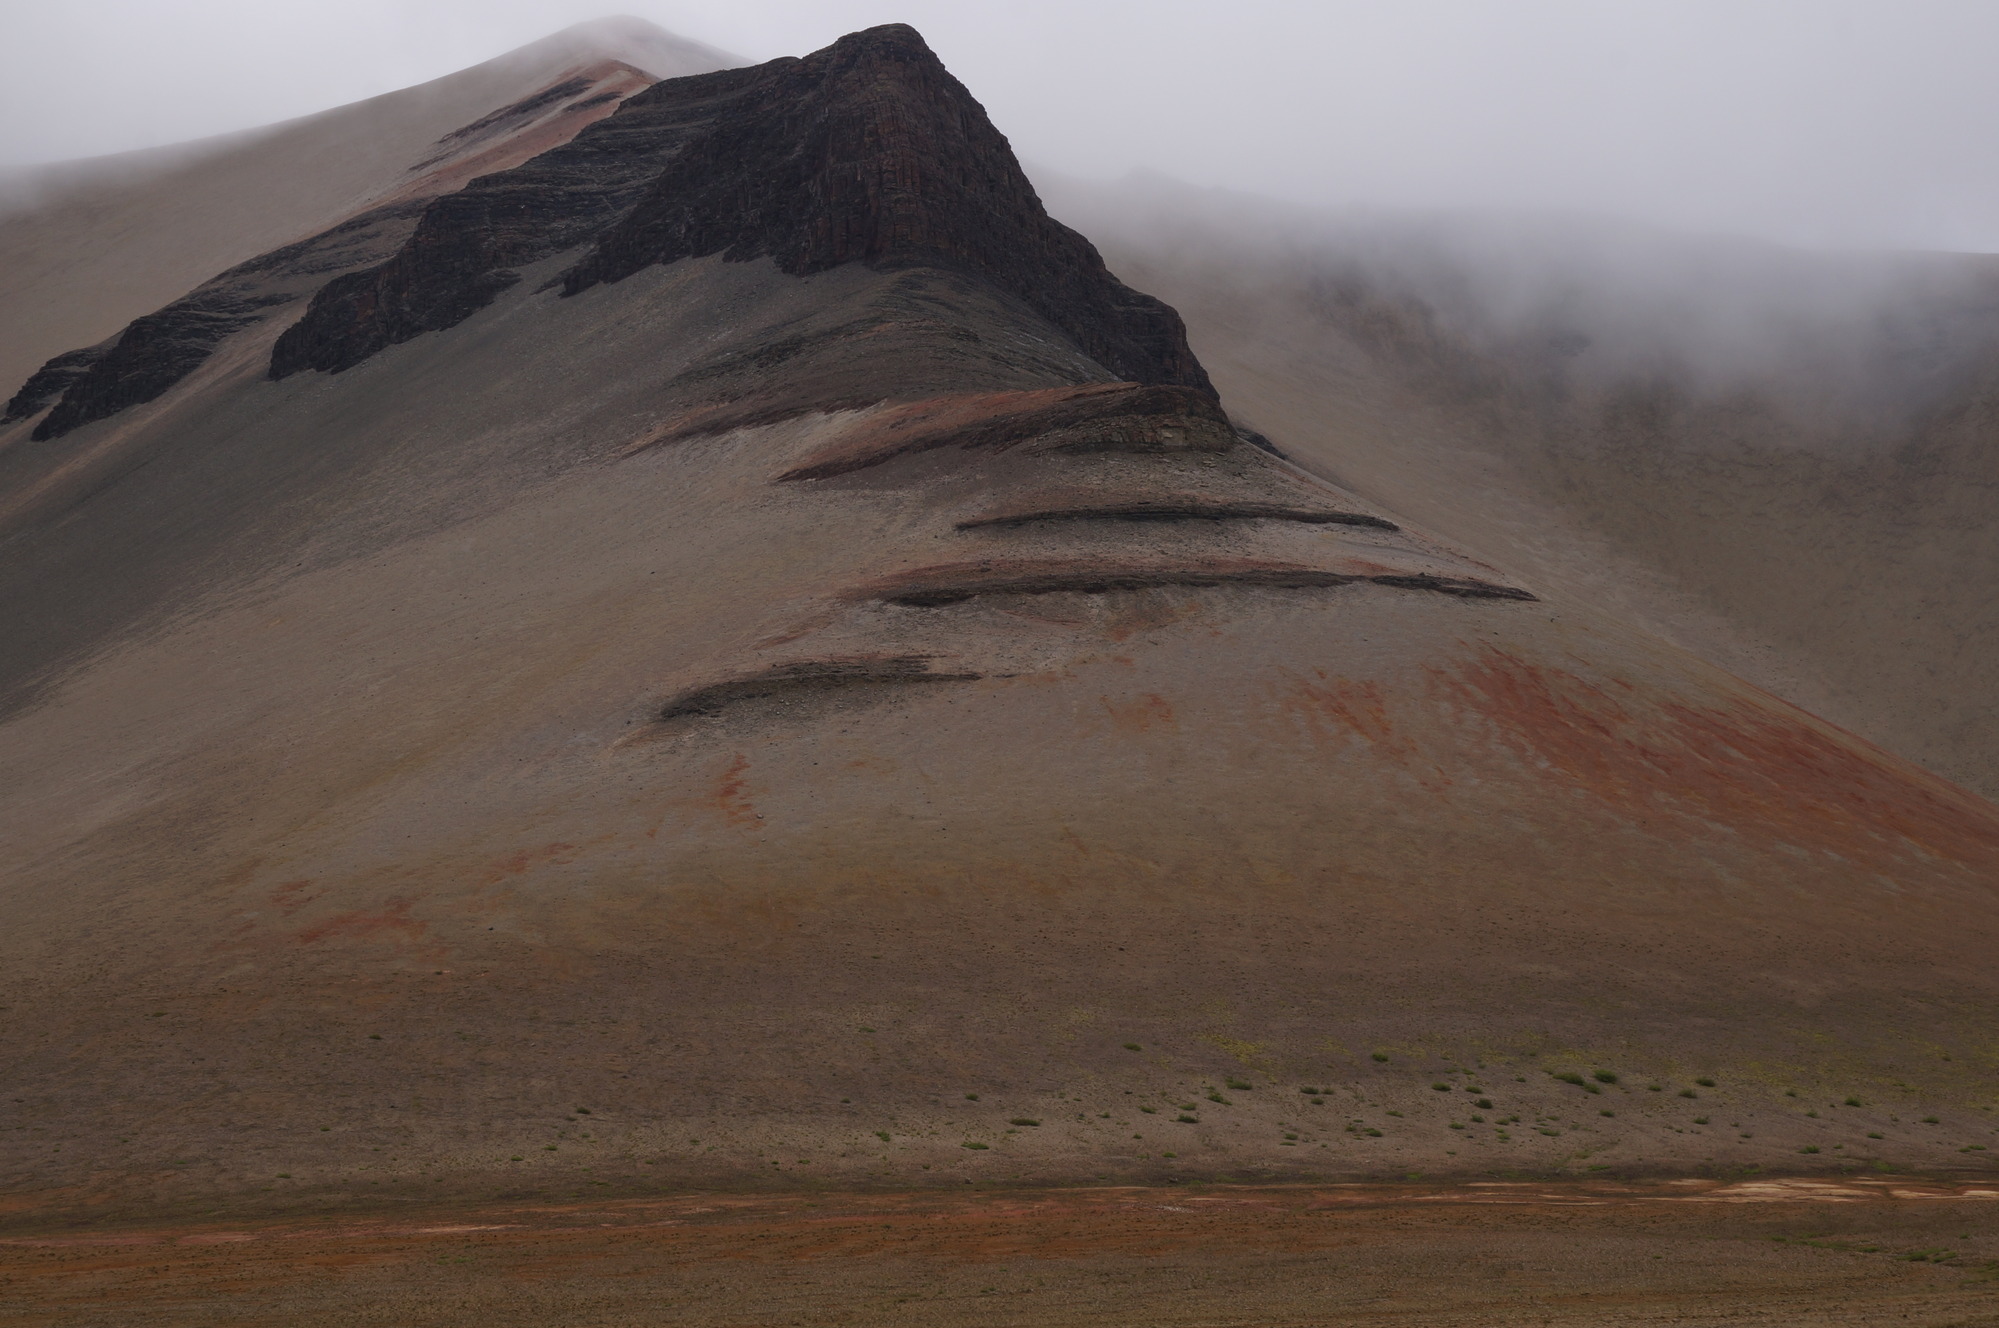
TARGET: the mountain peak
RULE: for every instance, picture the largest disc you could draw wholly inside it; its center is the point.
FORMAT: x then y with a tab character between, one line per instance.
624	37
866	151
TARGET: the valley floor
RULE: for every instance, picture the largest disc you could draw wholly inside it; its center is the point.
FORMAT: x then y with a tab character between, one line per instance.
1691	1252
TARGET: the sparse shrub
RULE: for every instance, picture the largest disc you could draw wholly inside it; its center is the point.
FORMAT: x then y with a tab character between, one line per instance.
1790	1092
866	1029
1604	1077
1705	1083
1395	1113
975	1147
1478	1120
1150	1111
1381	1055
1023	1120
1809	1148
1240	1085
1217	1097
1483	1104
1813	1114
1929	1120
1184	1119
1371	1132
1169	1155
1571	1077
1290	1136
1441	1088
516	1159
971	1097
1456	1125
1688	1092
882	1135
1312	1091
1700	1120
1852	1101
1655	1088
1606	1112
1133	1046
1872	1134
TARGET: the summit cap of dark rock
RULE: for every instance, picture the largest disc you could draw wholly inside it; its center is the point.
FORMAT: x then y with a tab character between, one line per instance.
868	151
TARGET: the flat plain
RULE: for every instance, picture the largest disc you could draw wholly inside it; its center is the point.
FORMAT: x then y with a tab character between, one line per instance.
1689	1251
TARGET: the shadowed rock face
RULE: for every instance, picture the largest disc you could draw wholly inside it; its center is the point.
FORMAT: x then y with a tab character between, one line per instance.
868	151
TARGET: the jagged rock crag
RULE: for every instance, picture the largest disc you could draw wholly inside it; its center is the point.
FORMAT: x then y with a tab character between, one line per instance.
49	382
868	151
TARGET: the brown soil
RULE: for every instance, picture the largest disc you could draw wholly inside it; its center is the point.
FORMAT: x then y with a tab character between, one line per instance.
1685	1252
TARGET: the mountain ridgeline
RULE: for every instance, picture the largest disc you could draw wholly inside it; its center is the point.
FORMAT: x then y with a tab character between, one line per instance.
868	151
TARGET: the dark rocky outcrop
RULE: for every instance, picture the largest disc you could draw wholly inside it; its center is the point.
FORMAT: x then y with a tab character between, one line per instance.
1095	417
868	151
937	587
160	349
810	677
51	381
524	109
151	355
1182	509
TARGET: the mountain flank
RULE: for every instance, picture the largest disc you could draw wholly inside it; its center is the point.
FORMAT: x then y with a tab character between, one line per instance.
87	247
1781	460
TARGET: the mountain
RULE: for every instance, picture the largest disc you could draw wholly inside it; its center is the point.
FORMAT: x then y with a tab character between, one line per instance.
1778	459
731	650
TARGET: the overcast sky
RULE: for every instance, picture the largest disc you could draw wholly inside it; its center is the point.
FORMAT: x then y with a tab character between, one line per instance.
1838	122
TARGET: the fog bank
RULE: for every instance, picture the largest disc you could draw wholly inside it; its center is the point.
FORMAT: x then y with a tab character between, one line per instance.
1823	122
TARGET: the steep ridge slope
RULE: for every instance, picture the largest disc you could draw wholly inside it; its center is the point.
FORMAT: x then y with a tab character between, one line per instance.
1783	461
739	722
88	246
